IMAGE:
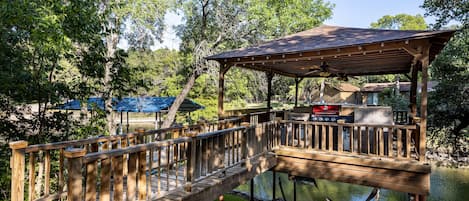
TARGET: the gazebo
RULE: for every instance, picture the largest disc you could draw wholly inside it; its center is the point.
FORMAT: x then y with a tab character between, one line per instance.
332	51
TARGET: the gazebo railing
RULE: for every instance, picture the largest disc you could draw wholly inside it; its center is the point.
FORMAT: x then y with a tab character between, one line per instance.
386	141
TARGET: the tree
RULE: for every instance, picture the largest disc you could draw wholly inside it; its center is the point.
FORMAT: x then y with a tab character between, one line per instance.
37	41
215	25
448	104
141	23
401	22
446	11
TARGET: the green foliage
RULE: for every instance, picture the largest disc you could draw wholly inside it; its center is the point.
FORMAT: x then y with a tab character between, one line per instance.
395	101
448	105
446	11
401	22
272	19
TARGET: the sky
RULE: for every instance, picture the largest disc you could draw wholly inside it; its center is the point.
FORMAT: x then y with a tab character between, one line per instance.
348	13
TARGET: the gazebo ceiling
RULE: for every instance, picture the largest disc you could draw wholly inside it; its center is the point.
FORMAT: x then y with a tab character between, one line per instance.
346	51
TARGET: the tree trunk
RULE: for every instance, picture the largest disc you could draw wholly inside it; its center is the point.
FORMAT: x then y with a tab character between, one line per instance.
111	46
179	99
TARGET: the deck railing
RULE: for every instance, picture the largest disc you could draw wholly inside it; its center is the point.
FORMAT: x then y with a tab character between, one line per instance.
162	165
390	141
46	180
400	116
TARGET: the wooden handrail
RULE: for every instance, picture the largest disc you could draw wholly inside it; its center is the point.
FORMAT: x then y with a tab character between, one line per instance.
349	124
133	149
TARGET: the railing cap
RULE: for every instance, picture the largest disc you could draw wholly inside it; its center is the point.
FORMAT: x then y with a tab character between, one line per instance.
191	134
74	153
245	124
18	144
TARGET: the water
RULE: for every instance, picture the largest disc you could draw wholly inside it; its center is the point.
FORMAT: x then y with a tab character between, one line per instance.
446	184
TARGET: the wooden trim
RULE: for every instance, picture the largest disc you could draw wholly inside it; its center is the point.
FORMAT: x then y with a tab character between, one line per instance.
353	159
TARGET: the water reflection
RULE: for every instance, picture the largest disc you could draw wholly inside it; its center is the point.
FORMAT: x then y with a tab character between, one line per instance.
446	184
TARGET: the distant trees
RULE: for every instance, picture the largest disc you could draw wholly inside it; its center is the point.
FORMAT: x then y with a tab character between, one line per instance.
401	22
214	25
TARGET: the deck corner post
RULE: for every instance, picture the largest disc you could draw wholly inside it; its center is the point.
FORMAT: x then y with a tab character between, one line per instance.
75	183
191	161
17	165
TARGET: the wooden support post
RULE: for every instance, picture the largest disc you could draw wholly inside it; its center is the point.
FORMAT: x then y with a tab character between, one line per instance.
413	92
221	88
251	190
191	161
74	183
297	82
294	190
17	165
274	176
270	75
423	104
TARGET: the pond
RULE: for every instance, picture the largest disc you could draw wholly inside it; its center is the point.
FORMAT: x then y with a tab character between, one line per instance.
446	184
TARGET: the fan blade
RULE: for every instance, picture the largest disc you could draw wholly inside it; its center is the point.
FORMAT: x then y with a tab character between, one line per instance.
313	72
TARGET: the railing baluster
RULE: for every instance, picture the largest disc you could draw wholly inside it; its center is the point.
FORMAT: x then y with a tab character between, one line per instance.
159	170
399	143
168	163
91	178
352	139
331	138
310	136
118	175
367	140
381	141
316	137
105	184
390	143
47	173
407	139
359	140
32	176
323	137
340	138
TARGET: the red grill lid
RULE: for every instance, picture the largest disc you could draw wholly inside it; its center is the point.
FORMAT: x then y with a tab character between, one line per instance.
326	109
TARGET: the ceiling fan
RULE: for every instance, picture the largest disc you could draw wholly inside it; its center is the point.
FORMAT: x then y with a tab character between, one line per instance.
324	70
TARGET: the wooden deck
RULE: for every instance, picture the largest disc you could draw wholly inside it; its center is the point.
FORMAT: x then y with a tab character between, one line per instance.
202	166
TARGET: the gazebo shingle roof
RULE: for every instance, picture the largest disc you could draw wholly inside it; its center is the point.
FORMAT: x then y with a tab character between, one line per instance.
325	37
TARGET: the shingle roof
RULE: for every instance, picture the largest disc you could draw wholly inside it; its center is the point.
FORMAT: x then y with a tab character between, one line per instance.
326	37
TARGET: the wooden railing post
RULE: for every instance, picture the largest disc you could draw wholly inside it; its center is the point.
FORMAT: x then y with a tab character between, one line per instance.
244	143
191	161
74	182
17	165
340	135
